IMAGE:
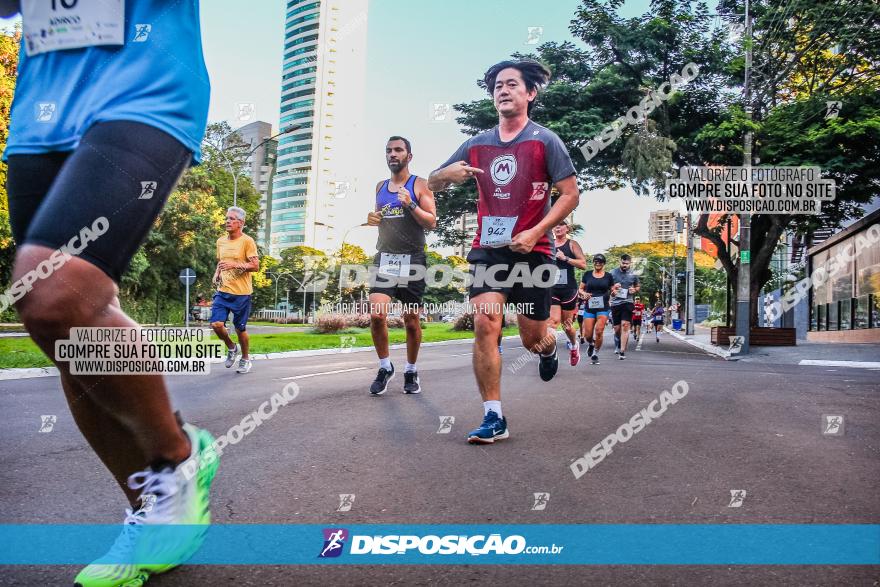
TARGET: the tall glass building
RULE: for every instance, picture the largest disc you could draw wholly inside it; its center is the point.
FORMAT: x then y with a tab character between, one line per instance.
323	82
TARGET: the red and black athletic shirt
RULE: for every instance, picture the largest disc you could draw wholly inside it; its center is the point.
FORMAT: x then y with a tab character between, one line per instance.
517	176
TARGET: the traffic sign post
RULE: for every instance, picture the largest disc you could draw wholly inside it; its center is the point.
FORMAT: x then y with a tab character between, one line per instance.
187	278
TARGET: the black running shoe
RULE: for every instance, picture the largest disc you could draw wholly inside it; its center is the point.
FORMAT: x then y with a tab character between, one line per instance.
622	355
547	366
411	382
594	359
381	383
590	350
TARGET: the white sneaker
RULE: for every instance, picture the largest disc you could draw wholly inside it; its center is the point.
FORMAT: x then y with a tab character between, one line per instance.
244	366
167	529
232	355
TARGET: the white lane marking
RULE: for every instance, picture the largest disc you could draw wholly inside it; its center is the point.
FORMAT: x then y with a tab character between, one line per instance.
853	364
461	355
324	373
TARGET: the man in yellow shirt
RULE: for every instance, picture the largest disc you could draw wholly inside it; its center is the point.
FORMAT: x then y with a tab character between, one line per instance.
237	257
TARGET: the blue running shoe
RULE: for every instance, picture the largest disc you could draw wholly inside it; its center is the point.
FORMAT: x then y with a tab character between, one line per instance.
493	428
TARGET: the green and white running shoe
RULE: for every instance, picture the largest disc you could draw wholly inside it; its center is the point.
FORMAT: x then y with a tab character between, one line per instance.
168	527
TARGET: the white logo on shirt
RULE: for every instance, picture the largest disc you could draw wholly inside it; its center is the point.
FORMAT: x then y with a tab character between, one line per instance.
503	169
501	196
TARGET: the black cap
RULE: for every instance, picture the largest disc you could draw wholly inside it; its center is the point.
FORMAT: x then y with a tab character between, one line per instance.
599	257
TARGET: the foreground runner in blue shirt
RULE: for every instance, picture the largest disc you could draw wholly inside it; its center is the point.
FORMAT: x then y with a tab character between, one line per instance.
106	117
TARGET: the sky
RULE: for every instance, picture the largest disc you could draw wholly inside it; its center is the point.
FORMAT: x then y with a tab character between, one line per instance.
419	53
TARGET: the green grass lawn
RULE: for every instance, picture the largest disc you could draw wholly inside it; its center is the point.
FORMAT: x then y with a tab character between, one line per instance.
22	352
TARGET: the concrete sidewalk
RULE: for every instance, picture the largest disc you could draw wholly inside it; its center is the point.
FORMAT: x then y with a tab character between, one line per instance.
805	353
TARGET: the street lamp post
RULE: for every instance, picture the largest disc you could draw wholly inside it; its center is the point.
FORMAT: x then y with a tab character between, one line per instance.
690	303
277	278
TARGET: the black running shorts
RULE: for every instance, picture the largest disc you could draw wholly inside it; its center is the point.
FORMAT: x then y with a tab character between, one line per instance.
121	171
566	299
534	300
408	292
621	313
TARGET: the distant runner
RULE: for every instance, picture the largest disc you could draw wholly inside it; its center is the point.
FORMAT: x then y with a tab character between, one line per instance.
237	258
626	285
564	297
657	319
594	290
638	312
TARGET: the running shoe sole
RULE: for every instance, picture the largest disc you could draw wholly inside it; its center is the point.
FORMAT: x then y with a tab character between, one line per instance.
478	440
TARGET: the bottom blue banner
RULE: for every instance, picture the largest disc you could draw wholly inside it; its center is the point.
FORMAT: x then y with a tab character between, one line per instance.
600	544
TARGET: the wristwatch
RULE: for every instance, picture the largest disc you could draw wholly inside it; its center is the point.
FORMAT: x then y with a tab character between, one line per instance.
413	205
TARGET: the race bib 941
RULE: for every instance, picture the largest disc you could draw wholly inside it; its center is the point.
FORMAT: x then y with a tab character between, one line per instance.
54	25
497	231
396	265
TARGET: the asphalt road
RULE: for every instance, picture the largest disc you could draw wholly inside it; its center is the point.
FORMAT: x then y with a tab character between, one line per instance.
754	427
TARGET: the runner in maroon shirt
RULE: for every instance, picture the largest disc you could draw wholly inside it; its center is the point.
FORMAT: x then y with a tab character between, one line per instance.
515	165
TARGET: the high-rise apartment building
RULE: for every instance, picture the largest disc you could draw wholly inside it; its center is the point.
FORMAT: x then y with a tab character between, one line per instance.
323	83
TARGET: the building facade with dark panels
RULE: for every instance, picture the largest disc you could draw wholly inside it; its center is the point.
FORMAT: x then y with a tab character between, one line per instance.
845	307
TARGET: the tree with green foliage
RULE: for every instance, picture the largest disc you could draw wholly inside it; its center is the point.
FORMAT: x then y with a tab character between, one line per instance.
348	254
448	293
806	52
224	154
652	259
309	272
184	235
9	43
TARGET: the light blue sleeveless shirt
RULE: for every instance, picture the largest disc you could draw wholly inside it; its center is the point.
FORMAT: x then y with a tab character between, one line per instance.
157	77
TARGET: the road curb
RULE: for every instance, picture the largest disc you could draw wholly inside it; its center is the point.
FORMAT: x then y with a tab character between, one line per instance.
706	348
31	372
28	373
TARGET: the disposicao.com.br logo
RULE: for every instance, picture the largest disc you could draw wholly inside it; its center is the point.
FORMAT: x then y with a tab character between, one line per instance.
430	544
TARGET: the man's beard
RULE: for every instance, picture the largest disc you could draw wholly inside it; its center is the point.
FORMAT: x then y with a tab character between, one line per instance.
395	166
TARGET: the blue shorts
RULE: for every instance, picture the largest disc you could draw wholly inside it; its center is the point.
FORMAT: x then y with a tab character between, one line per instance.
593	314
224	303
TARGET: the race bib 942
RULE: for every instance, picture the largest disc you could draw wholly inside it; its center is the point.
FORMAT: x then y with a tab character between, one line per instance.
497	231
54	25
